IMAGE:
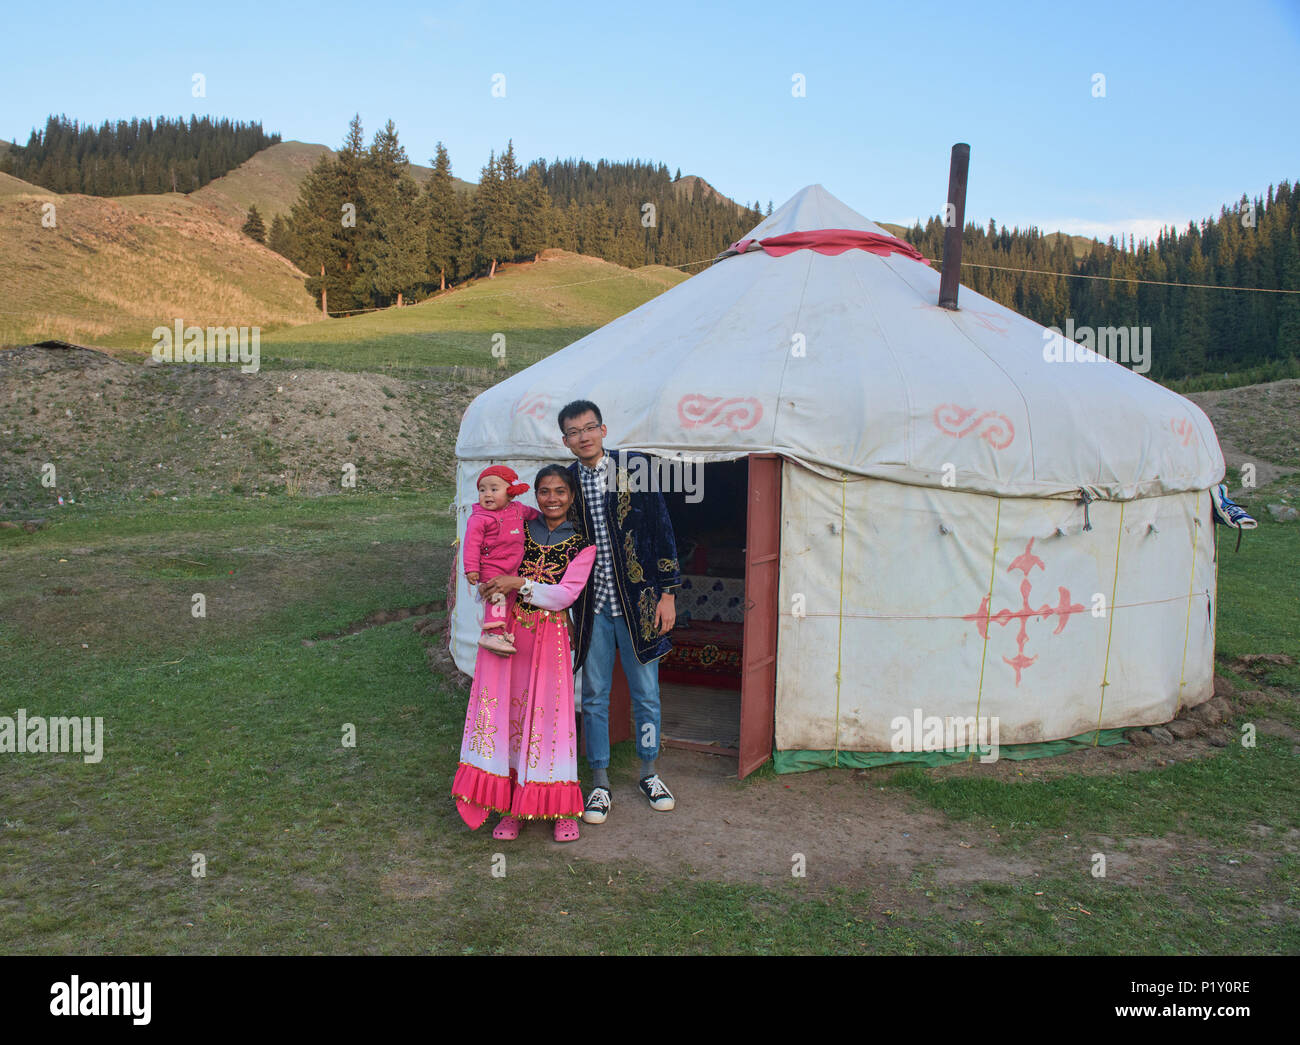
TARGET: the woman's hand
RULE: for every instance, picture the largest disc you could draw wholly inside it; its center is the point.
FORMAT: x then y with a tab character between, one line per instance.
500	585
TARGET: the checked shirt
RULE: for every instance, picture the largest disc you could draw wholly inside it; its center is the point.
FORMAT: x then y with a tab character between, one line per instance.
594	485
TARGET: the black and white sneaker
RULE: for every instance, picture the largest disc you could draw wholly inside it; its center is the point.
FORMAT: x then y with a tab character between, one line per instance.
1229	513
597	807
661	799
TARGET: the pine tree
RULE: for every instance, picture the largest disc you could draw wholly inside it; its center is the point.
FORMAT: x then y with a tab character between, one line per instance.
354	145
535	218
443	217
280	239
491	217
253	227
140	156
326	242
1288	329
391	248
595	231
1193	327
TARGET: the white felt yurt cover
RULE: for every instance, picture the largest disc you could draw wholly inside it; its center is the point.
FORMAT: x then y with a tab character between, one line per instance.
926	450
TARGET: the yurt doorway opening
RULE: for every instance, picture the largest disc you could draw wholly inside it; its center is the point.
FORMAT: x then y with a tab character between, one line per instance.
699	681
717	686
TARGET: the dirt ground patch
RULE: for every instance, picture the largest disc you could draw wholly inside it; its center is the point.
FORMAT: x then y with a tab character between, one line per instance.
1256	424
844	829
846	832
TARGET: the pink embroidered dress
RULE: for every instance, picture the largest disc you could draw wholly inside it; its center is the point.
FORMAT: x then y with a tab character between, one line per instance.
519	753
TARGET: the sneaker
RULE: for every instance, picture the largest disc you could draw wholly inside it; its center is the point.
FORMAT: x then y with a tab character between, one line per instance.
1228	513
597	807
661	799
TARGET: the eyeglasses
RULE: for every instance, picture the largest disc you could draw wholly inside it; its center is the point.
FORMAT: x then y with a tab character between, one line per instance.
573	433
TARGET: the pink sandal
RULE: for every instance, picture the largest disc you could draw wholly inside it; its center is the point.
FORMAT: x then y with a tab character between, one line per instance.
499	643
508	829
566	830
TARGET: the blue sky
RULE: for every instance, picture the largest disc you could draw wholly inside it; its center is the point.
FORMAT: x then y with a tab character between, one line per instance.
1200	98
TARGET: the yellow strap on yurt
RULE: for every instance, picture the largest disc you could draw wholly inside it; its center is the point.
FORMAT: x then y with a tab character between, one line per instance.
1191	583
1110	626
1214	613
839	641
993	566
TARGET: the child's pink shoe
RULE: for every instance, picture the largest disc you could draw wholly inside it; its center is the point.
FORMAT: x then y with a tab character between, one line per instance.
497	644
566	830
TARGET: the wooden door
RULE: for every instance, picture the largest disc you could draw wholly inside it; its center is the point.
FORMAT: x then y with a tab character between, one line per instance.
762	576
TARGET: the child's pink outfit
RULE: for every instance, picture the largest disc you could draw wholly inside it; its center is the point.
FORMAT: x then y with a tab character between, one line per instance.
494	546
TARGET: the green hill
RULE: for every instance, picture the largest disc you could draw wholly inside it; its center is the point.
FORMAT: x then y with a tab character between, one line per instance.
540	306
1081	245
112	269
271	180
692	185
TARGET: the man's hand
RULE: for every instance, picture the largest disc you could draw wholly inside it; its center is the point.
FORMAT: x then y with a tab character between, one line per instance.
666	613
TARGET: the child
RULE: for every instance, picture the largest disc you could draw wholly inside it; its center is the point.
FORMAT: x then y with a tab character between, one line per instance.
494	545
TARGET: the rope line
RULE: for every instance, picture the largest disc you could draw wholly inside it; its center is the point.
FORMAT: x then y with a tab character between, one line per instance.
962	616
1116	279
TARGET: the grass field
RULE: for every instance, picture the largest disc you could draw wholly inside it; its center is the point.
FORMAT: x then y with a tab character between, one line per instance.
224	739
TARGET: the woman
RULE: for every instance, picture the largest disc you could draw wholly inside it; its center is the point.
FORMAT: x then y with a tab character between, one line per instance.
519	755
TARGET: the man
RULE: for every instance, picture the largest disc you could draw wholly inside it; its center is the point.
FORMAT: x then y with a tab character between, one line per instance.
629	606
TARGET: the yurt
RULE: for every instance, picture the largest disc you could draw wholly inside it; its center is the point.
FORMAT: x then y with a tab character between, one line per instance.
905	525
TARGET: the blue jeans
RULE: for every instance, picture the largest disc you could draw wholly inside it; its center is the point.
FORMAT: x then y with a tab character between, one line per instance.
607	634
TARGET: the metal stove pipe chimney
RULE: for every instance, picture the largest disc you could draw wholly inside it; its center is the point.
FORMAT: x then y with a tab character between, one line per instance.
954	221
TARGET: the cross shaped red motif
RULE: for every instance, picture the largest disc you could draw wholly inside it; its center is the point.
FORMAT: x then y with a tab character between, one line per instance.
1024	562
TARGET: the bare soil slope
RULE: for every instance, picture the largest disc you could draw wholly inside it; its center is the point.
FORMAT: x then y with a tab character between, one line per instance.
115	429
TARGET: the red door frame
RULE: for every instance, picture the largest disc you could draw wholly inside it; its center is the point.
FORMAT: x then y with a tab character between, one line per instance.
762	579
